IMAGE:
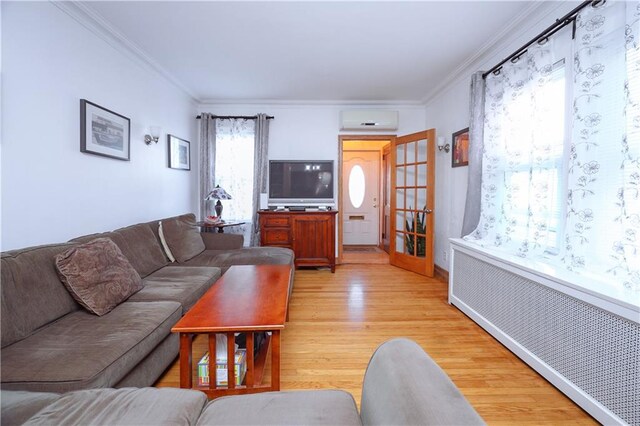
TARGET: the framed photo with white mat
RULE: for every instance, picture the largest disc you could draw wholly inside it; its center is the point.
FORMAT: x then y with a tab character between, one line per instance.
179	153
104	132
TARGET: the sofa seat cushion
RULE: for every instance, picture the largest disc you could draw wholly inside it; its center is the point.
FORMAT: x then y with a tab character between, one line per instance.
81	350
323	407
182	284
127	406
246	256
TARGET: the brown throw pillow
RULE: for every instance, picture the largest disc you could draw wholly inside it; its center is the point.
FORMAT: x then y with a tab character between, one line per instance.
183	238
98	275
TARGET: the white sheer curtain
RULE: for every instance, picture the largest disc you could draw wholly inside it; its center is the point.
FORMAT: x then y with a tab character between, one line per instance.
574	200
523	146
234	171
603	214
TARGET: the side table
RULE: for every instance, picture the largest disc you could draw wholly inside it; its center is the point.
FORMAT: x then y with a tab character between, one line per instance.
211	227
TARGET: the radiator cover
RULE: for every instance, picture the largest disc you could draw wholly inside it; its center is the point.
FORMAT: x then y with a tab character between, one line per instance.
594	350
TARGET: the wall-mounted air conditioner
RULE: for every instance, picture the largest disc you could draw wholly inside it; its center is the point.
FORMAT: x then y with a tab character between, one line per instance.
375	119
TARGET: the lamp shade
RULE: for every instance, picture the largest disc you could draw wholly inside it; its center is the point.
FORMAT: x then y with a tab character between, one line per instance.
218	194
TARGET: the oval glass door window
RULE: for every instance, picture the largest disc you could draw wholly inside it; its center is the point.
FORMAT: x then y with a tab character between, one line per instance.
356	186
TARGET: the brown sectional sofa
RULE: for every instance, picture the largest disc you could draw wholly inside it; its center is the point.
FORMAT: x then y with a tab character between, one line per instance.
51	344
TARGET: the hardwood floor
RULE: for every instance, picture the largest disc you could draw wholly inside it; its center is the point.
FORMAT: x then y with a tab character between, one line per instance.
376	256
337	321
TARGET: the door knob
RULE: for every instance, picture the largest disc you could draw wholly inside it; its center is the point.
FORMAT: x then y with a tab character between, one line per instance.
428	211
375	206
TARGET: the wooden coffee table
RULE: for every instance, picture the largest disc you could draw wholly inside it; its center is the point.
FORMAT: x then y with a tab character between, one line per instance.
246	299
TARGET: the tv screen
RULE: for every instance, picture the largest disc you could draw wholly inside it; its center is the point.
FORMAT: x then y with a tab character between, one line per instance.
301	181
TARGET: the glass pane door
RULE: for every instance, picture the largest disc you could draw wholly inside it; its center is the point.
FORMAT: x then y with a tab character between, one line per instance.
413	197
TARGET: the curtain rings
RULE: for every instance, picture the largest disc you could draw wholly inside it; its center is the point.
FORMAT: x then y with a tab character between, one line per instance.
516	58
497	71
598	3
543	40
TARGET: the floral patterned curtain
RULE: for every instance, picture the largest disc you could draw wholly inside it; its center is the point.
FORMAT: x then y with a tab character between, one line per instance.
603	200
523	145
576	202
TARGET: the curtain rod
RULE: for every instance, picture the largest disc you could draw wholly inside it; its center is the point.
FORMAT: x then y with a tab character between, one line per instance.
245	117
548	32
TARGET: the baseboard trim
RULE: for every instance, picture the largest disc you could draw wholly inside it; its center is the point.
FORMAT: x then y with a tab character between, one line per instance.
441	273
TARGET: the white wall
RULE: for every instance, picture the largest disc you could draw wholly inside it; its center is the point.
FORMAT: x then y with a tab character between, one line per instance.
301	132
448	112
51	191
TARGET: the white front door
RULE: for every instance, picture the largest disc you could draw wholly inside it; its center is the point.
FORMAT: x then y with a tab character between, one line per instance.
360	186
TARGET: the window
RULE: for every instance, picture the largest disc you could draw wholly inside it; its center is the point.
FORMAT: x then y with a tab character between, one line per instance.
234	166
526	137
356	186
539	175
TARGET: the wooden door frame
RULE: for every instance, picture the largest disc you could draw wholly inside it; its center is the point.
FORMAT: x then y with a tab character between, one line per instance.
341	140
386	151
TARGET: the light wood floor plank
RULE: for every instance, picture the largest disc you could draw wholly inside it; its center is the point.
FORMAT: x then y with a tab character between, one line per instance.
337	321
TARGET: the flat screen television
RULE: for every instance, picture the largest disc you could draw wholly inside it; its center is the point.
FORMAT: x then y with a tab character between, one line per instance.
300	182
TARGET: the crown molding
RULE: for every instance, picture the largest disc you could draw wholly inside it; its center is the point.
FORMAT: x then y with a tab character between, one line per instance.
94	22
284	103
529	18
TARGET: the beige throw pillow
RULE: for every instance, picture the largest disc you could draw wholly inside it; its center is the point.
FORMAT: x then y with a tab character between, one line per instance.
97	275
183	238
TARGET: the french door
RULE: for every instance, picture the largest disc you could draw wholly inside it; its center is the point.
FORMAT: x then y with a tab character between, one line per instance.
412	202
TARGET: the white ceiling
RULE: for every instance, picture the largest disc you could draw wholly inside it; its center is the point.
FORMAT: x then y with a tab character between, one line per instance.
364	51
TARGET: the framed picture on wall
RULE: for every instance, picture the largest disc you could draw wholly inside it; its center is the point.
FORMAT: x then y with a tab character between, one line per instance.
179	153
104	132
460	148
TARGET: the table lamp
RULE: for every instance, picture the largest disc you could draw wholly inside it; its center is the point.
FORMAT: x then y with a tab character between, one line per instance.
218	194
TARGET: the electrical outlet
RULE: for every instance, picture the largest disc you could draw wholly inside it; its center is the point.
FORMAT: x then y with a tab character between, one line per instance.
444	255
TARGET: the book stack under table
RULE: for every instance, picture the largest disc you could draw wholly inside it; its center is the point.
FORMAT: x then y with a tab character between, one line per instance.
221	369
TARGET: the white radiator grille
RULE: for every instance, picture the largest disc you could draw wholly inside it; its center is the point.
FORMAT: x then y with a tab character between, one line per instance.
597	351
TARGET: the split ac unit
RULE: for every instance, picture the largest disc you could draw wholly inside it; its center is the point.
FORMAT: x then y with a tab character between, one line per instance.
358	119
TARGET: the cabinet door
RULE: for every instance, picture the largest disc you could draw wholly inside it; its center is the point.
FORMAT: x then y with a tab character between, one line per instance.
313	240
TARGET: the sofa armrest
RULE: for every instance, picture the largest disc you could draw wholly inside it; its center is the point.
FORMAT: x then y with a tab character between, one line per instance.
403	385
217	241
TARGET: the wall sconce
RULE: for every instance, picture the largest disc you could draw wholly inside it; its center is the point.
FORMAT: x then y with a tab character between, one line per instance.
441	144
154	136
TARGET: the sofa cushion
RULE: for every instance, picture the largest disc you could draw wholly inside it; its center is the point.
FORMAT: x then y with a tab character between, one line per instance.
19	406
149	370
98	275
32	294
323	407
153	225
81	350
182	284
183	238
128	406
138	244
246	256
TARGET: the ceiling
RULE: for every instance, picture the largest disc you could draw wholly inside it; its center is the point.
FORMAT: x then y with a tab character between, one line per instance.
303	51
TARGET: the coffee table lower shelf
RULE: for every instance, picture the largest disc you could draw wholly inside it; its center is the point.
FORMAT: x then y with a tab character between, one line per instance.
252	382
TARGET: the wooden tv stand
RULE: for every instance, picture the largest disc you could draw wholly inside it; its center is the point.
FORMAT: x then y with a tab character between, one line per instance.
311	235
